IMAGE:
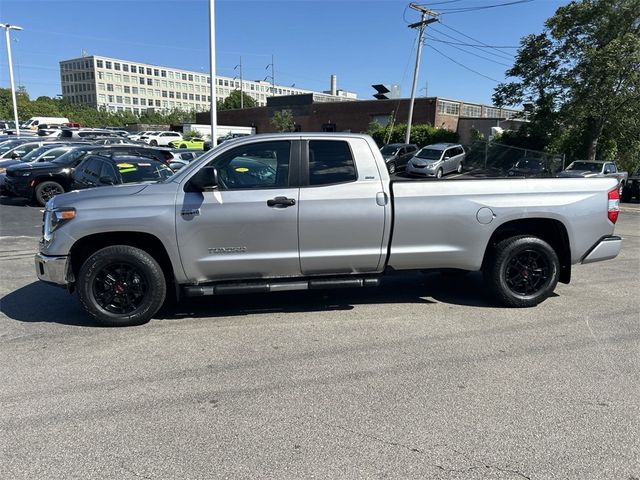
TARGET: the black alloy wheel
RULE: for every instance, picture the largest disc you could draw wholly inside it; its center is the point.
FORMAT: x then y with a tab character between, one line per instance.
45	191
522	271
120	288
527	272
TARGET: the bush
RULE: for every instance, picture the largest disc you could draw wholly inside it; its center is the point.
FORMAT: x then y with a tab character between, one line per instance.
421	134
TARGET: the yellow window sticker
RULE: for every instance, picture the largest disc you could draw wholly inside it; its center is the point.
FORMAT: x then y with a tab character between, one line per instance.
242	169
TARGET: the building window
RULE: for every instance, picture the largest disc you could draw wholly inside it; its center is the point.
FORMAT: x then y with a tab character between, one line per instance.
143	101
134	69
157	103
118	88
110	97
134	90
99	64
170	74
127	100
118	99
184	76
107	65
491	112
117	77
448	108
100	75
127	89
116	66
149	81
163	73
125	67
164	93
471	110
109	87
149	71
156	72
101	98
171	95
101	86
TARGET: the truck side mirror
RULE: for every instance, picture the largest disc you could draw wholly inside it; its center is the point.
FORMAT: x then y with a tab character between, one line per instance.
205	179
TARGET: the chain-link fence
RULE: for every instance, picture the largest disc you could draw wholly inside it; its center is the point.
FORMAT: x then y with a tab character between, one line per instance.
490	159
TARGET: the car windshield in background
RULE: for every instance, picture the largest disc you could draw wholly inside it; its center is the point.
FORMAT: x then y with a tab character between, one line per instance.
429	154
589	166
388	150
5	147
135	172
533	164
33	154
69	157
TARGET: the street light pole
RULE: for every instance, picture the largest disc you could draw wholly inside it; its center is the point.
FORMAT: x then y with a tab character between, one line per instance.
212	73
7	28
241	86
421	25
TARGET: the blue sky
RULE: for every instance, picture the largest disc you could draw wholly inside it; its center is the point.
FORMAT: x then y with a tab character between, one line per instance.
362	42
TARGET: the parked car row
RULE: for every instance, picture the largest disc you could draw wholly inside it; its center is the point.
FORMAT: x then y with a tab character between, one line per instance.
39	170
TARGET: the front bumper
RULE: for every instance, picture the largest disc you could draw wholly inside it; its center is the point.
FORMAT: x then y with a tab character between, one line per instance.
17	186
606	249
422	171
54	270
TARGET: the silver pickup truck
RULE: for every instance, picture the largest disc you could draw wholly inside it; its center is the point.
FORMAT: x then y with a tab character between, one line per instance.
306	211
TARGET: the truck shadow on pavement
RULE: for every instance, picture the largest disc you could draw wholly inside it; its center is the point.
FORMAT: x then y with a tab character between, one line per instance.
38	302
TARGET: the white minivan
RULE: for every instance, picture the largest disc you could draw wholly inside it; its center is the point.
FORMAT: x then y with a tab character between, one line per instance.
33	122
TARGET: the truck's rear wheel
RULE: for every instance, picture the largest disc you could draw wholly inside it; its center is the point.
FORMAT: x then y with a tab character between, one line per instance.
523	271
121	286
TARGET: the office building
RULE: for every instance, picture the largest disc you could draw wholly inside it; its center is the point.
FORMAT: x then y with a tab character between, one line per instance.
123	85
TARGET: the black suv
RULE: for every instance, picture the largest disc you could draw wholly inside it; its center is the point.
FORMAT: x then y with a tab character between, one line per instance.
99	171
43	180
396	155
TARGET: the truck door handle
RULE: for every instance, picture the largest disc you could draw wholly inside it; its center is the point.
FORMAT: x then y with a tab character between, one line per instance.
281	202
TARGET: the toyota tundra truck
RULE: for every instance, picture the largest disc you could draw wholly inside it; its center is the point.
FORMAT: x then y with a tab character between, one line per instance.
279	212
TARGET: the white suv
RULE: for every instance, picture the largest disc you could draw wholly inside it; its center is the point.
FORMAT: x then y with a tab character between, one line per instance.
162	138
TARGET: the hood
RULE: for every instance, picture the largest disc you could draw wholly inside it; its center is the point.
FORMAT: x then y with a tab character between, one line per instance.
7	162
35	166
577	173
75	196
389	156
421	162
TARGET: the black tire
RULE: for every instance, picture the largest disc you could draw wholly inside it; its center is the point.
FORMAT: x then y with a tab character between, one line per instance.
107	272
153	143
45	191
183	146
391	166
439	173
460	167
625	196
522	271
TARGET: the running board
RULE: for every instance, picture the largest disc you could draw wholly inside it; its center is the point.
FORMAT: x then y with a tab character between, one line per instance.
279	286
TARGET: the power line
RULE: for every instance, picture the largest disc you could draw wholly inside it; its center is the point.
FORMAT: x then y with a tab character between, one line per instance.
495	53
448	11
462	65
468	51
478	45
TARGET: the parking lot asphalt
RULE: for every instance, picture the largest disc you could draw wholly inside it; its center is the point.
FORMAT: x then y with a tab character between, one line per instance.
421	378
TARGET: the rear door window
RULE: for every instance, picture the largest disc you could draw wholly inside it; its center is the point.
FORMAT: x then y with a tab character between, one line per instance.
330	163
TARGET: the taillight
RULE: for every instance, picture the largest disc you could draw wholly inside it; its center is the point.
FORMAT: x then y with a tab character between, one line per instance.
614	205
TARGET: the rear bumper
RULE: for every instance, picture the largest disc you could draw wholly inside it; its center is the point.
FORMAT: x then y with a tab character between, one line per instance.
606	249
54	270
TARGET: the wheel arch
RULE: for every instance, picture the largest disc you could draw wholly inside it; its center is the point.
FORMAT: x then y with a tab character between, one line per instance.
86	246
550	230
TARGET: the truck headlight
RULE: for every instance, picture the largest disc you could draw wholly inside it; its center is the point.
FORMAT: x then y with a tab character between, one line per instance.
54	219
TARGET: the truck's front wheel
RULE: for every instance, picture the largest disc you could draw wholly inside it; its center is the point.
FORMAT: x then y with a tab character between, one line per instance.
523	271
121	286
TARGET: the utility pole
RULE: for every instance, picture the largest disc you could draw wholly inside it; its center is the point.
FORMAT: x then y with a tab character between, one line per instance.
428	16
212	72
239	66
8	28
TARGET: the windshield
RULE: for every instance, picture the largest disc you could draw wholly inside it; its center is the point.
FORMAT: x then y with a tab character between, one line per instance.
529	163
429	154
52	154
389	150
8	145
69	157
33	154
589	166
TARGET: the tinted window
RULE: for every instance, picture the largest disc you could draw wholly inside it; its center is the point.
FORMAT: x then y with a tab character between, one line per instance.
91	169
107	171
70	157
259	165
134	172
330	162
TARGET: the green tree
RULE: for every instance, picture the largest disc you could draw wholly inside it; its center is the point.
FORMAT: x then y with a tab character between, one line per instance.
582	79
233	101
282	121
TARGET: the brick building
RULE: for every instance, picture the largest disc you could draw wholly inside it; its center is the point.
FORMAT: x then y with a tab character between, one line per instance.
316	113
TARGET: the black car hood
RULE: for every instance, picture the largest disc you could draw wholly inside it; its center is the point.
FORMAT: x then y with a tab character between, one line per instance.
37	166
